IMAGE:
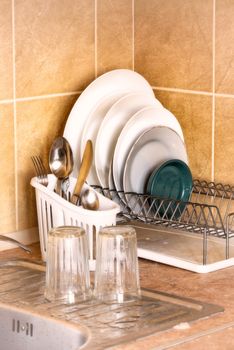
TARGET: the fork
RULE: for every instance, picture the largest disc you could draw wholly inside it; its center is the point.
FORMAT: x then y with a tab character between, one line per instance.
40	170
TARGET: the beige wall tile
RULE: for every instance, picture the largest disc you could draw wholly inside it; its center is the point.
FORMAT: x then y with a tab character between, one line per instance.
194	112
224	46
38	123
7	178
224	140
6	68
114	34
54	46
173	43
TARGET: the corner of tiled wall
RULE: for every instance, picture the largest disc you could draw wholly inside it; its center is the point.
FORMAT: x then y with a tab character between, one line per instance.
183	48
173	50
45	62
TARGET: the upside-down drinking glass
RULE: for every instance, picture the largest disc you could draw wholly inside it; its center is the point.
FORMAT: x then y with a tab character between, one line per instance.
67	268
117	276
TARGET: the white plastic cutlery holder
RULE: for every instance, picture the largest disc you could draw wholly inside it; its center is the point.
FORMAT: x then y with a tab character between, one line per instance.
54	211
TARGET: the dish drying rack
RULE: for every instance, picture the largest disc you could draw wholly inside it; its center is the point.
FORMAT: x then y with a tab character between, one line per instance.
194	235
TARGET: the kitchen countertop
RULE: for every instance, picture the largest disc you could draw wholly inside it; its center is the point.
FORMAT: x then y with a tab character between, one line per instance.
213	333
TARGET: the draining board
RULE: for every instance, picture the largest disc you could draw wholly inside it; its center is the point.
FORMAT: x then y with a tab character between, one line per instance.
182	249
22	286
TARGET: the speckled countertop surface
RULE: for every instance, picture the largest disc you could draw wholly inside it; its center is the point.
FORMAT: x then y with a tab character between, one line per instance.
215	332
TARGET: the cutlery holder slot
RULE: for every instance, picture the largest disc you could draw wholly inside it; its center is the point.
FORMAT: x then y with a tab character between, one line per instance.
54	211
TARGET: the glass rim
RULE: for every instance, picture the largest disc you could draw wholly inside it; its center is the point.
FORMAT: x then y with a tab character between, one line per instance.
118	231
66	231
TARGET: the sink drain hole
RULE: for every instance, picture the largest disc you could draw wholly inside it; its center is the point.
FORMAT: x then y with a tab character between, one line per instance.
19	327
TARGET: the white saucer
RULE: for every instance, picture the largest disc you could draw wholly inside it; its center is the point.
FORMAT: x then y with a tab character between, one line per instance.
111	126
143	120
91	128
119	80
152	148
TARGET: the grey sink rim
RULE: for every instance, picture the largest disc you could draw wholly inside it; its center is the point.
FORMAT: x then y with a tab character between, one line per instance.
84	330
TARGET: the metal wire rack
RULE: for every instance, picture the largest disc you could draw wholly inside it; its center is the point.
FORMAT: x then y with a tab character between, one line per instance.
209	211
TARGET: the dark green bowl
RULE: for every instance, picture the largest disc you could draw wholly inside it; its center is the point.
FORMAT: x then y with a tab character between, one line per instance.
171	180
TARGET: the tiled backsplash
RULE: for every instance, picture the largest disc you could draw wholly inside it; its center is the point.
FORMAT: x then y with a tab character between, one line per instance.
52	49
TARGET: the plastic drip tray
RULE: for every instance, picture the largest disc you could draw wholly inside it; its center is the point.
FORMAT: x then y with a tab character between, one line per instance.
182	249
22	286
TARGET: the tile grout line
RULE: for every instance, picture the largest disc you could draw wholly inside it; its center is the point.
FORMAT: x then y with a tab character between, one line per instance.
6	102
72	93
213	91
14	115
133	35
183	91
40	97
218	94
192	92
95	39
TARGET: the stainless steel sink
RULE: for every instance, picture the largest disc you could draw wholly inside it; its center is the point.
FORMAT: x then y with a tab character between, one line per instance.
28	321
22	330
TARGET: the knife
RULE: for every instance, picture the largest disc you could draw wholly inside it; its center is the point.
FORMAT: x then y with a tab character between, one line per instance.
83	173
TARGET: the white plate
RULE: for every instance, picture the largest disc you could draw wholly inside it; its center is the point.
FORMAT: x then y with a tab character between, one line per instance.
116	80
143	120
111	126
111	183
113	194
153	147
91	128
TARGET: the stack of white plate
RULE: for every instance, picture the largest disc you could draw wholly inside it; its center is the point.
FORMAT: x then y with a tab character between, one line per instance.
130	129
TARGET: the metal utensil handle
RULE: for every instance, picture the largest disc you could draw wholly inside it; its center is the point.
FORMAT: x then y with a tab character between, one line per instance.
15	242
84	170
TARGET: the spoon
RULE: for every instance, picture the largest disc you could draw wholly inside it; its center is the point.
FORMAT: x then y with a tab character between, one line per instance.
83	173
60	162
89	200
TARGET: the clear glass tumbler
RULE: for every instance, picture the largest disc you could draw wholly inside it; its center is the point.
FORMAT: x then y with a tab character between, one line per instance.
67	267
117	275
